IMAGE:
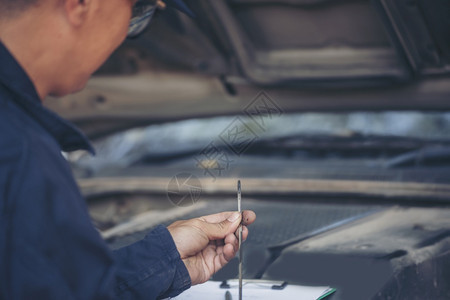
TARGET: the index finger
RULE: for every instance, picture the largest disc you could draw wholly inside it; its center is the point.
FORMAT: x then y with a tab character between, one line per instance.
248	217
217	218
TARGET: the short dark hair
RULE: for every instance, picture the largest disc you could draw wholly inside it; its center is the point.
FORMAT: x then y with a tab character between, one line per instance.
8	7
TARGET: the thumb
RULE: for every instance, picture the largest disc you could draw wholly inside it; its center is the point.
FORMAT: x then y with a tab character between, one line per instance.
216	231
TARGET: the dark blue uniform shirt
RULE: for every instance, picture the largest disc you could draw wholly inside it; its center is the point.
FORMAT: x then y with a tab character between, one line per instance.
48	246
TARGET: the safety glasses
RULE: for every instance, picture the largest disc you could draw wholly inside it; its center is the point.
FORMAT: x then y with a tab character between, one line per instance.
143	11
142	14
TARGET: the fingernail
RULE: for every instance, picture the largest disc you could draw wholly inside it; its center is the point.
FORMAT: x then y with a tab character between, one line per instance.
234	217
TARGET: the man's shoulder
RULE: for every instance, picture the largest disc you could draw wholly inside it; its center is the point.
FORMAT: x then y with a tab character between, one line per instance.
30	158
18	130
12	138
24	145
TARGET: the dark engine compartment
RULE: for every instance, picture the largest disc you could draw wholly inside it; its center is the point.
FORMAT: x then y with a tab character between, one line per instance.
373	249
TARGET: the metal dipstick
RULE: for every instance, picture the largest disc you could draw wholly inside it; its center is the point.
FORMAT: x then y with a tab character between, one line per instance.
240	239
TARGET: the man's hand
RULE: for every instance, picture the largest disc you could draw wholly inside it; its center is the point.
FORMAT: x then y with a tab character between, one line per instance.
208	243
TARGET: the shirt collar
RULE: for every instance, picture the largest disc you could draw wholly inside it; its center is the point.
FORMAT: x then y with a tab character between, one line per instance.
14	78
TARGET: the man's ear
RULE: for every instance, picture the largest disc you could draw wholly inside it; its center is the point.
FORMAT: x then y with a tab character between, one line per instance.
77	10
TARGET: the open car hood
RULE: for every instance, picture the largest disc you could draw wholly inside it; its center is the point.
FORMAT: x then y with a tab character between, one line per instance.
372	230
309	55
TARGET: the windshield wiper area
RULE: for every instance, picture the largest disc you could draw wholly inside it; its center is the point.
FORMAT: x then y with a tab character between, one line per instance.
353	145
426	156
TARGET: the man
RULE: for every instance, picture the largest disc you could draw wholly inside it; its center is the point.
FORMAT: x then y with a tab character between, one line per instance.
48	247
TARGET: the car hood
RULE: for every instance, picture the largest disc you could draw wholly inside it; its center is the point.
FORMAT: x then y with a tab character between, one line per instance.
305	55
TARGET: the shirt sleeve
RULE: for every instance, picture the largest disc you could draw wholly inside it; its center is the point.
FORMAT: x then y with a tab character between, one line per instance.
49	248
151	268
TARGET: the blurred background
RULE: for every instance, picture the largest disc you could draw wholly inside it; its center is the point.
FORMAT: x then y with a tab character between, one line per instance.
335	114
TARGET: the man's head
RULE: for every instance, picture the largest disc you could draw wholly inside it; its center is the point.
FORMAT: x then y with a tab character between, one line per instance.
60	43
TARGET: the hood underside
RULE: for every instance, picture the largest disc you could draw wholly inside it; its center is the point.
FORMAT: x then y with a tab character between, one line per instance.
307	55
